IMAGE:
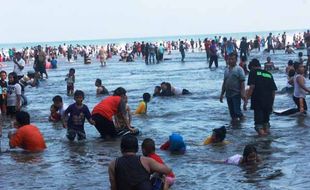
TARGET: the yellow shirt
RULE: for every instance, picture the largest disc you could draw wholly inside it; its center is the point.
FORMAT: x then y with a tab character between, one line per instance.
209	141
141	109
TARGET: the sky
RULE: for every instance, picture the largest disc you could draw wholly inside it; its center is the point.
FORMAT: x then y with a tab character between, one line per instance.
63	20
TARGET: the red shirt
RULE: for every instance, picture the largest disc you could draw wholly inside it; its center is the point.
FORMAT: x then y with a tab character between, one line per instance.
28	137
159	160
107	107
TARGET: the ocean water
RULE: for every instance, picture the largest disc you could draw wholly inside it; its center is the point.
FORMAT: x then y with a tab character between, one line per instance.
237	36
84	165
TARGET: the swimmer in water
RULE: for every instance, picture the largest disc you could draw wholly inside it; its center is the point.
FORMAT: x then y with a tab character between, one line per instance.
100	88
249	157
217	137
269	65
157	90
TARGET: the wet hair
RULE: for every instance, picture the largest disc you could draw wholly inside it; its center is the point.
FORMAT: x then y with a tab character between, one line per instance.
78	93
98	81
148	146
254	63
300	54
168	86
31	74
119	91
71	70
158	88
57	99
220	133
15	77
290	63
248	149
146	97
129	143
296	65
3	71
23	118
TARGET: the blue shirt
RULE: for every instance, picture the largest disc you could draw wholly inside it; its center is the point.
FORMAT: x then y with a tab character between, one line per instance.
77	116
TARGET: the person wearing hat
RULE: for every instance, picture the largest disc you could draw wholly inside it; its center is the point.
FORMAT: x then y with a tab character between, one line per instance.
19	65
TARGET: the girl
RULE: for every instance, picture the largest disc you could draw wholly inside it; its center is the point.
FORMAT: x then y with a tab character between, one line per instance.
14	92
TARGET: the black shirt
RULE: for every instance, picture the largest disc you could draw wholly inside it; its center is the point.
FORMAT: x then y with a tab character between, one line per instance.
262	96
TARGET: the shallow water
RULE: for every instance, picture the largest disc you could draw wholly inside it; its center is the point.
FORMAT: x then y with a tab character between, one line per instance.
83	165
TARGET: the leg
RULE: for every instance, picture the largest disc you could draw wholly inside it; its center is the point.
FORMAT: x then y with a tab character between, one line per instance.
236	106
71	133
259	121
81	135
230	107
216	61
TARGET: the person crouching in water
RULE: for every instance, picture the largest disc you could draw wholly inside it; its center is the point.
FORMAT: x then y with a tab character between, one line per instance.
217	137
262	93
78	112
27	136
300	88
148	150
100	88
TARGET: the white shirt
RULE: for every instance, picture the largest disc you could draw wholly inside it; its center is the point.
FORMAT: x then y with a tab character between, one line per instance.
12	92
17	70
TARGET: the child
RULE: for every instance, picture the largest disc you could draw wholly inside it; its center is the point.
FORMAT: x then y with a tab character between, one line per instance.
300	88
70	81
59	105
54	116
120	124
175	144
78	112
54	63
290	66
148	150
100	88
142	108
3	90
157	90
27	136
269	65
14	92
217	137
249	157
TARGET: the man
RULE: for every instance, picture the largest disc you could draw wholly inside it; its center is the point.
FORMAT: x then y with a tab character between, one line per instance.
27	136
213	54
102	56
19	65
130	171
262	92
270	43
41	61
233	86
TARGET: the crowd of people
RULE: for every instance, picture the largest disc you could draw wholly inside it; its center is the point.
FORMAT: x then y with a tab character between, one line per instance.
112	116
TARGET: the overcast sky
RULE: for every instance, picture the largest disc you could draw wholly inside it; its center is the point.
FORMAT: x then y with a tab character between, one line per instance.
57	20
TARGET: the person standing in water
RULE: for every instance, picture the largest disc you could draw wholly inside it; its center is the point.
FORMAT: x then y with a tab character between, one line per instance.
234	88
102	56
182	50
262	92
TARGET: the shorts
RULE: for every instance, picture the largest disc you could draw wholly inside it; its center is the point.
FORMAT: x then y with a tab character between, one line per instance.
70	87
72	133
11	111
300	103
104	126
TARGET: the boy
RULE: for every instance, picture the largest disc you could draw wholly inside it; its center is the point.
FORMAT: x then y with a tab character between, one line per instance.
217	137
70	81
27	136
148	150
78	112
59	106
300	88
142	108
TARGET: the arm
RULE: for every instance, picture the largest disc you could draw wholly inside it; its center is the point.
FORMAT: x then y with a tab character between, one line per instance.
242	90
112	175
301	83
222	92
157	167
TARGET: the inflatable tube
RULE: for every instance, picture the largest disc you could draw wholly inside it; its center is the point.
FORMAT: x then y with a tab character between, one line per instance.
126	131
286	112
